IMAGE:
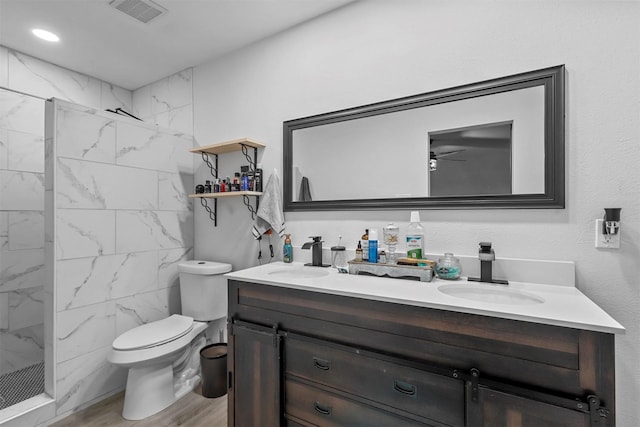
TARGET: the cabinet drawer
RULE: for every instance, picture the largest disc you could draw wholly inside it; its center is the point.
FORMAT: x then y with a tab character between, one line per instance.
432	396
321	408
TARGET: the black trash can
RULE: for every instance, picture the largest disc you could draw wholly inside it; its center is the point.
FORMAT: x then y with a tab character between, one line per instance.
213	367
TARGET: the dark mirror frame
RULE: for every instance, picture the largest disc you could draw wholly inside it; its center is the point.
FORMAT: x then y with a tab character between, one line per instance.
552	79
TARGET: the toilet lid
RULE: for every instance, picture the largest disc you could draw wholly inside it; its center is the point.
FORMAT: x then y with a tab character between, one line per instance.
154	333
205	268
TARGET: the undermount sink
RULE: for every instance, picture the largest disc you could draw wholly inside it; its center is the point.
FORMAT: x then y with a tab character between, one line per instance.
300	272
491	294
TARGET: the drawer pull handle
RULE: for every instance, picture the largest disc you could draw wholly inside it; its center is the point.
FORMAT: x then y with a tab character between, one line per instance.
325	365
404	388
324	410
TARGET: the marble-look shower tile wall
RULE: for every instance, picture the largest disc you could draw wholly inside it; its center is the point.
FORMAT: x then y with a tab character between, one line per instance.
30	75
22	195
21	231
123	222
167	102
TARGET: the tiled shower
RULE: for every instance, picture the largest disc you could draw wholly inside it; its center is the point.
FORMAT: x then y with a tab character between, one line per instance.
21	247
130	201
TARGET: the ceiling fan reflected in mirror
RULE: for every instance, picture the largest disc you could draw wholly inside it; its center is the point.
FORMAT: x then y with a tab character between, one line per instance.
437	155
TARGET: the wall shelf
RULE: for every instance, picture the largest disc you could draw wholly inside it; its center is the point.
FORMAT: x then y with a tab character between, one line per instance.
225	194
210	154
228	146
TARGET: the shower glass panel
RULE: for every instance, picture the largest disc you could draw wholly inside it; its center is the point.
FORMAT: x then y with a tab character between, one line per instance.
21	247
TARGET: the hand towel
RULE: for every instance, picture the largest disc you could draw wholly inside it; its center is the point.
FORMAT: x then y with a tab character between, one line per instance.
305	190
270	213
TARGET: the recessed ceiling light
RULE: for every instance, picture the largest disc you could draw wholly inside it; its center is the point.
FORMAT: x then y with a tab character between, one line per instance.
45	35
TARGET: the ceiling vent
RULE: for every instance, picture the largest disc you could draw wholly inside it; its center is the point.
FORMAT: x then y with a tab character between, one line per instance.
142	10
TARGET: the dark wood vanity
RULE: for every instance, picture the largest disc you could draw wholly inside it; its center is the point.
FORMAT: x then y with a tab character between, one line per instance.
305	358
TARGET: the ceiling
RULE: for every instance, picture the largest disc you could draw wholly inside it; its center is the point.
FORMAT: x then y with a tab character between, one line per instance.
100	41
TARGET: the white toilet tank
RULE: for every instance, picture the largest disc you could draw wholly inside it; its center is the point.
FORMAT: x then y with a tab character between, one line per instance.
203	289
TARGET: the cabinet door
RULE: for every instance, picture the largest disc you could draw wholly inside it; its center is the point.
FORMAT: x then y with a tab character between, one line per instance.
500	409
255	376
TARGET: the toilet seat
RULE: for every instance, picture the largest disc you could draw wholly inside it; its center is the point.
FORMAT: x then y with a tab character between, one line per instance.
154	334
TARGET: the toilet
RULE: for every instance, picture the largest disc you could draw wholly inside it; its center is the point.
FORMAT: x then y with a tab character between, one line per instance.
163	356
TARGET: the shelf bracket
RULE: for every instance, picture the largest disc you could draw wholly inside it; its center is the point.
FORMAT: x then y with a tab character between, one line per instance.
252	161
212	213
212	168
247	203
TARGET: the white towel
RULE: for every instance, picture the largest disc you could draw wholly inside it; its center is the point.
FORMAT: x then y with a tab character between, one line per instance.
270	213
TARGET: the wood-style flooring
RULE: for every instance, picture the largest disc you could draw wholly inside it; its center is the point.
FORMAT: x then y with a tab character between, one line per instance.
193	410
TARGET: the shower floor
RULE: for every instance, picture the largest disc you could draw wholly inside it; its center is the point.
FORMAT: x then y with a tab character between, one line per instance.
21	385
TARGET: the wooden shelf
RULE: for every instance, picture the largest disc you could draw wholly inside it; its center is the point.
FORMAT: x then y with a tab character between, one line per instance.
209	154
225	194
228	146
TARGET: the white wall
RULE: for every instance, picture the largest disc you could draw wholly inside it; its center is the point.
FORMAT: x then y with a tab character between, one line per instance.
373	50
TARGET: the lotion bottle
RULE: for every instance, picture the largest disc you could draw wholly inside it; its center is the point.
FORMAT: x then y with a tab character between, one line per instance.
415	237
287	250
373	245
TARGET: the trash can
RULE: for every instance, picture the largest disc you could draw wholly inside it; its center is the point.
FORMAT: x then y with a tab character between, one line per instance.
213	367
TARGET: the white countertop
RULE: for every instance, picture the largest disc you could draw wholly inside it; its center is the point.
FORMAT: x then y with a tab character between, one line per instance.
562	305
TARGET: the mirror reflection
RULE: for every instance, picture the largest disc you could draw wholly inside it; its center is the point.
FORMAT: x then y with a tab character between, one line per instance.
471	160
497	142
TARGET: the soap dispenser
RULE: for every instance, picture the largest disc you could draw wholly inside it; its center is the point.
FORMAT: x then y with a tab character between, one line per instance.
287	250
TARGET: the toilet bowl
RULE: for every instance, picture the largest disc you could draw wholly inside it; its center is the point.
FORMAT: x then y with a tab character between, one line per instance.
163	356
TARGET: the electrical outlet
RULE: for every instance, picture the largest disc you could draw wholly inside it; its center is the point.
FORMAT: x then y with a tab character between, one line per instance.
604	240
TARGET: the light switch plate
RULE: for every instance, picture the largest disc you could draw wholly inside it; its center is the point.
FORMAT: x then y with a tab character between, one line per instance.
604	240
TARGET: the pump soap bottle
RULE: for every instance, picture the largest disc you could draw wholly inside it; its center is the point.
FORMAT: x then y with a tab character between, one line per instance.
415	237
287	250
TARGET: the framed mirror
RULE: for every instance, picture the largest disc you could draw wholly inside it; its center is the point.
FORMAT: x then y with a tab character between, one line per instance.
493	144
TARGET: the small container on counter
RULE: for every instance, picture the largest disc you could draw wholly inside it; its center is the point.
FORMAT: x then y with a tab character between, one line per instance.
287	250
448	267
359	252
207	186
339	259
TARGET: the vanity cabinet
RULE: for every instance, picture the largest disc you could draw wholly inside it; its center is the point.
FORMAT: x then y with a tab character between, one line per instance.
307	358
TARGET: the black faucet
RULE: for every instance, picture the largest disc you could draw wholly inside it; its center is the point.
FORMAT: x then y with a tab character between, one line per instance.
486	256
316	251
